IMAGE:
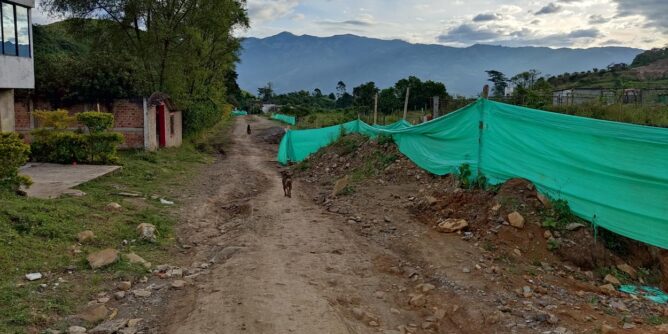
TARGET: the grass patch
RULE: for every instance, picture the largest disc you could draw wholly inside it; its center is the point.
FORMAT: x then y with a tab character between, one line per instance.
40	235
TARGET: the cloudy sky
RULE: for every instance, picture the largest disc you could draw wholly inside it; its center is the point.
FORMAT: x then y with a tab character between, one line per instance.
553	23
556	23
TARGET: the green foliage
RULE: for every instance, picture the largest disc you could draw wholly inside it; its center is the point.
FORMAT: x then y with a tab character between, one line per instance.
96	122
54	144
384	139
59	119
202	116
464	175
499	82
628	113
13	154
553	244
650	56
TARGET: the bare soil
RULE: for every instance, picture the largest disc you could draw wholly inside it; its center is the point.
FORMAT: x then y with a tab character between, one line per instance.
369	261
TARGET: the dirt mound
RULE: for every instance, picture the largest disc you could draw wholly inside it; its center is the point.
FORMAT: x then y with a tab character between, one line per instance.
272	135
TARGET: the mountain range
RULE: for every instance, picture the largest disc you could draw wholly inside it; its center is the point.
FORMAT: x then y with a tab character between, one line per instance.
306	62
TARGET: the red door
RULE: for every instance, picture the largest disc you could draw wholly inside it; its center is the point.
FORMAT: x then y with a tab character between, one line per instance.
161	127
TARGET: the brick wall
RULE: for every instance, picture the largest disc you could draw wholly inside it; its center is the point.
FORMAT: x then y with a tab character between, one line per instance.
128	118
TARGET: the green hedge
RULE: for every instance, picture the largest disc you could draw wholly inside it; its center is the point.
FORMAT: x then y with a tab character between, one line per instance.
66	147
13	154
96	122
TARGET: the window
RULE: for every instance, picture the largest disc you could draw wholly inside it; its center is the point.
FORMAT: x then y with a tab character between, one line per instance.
23	31
15	30
8	30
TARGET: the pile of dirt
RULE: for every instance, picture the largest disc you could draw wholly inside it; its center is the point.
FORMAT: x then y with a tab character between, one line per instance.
547	258
272	135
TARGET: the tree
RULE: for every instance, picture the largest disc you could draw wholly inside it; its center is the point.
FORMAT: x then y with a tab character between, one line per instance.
317	92
389	101
499	82
526	79
184	47
266	93
365	94
345	101
331	96
340	89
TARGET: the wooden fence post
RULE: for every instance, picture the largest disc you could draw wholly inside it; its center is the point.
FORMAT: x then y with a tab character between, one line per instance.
408	93
375	109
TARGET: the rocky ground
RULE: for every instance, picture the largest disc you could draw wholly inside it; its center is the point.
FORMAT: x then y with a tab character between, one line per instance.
370	244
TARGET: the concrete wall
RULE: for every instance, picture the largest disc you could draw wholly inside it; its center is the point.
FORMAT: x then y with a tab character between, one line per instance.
152	139
174	129
7	118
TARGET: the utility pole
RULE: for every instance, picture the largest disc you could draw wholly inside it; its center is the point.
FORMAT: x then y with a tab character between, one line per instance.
408	93
437	101
485	91
375	109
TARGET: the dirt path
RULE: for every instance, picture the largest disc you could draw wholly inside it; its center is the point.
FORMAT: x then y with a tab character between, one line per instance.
278	265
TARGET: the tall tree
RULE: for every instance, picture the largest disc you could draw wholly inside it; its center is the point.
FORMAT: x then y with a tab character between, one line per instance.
266	93
364	94
499	82
340	89
185	47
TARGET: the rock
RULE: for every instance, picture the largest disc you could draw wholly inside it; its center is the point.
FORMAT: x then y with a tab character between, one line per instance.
607	329
113	207
526	292
417	300
516	220
619	306
466	270
85	236
118	295
76	330
426	287
178	284
496	208
628	270
124	286
33	276
553	319
134	322
166	202
147	232
102	258
431	200
109	327
628	325
608	288
136	259
141	293
548	235
340	185
452	225
103	300
544	200
373	323
358	313
612	280
574	226
94	313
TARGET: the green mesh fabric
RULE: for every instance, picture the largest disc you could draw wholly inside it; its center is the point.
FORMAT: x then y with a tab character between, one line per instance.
285	119
612	174
239	113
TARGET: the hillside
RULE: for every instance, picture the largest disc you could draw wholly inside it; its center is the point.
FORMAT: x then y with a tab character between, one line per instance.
648	70
306	62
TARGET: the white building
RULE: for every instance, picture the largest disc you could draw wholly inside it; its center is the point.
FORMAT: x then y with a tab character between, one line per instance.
17	68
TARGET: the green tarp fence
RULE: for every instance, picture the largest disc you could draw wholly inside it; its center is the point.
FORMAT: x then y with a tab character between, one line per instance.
612	174
239	113
285	118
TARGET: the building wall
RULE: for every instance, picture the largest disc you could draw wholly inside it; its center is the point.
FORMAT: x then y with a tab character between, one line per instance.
174	129
7	118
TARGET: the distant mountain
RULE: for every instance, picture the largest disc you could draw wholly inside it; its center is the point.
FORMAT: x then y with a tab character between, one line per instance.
293	63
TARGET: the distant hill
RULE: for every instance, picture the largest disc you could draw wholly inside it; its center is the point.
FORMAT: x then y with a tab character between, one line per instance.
306	62
648	70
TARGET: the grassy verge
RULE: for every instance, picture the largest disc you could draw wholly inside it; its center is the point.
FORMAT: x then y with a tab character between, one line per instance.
40	235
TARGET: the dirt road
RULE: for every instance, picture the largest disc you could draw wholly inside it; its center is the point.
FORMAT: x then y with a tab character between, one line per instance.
278	265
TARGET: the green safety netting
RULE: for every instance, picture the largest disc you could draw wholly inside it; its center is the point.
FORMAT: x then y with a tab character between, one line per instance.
285	118
239	113
612	174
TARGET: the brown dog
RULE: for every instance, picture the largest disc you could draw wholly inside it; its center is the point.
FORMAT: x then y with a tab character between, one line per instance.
286	177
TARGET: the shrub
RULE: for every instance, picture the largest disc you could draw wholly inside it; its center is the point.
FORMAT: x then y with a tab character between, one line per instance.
96	122
102	147
202	116
64	147
59	119
13	154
